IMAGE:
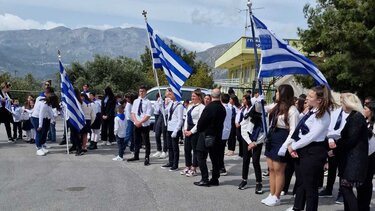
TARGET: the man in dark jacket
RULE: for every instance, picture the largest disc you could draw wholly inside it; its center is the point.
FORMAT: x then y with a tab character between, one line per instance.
210	123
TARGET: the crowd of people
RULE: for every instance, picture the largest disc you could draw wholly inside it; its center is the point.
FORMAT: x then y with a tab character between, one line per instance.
303	135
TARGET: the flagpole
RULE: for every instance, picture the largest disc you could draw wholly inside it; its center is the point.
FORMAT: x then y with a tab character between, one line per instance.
249	4
144	13
65	112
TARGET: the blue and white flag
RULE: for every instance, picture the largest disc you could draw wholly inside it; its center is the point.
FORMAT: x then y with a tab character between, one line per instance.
69	99
279	58
175	69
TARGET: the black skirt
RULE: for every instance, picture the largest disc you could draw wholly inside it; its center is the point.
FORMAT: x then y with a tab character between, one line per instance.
97	122
274	143
26	125
87	127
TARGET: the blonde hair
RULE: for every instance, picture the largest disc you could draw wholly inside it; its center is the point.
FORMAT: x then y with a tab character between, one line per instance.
352	102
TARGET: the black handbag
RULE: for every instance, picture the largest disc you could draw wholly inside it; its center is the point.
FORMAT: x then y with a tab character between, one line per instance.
209	141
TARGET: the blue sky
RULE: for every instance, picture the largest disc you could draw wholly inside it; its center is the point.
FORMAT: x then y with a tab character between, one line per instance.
194	24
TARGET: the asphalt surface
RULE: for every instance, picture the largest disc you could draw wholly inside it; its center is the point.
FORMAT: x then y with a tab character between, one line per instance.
94	182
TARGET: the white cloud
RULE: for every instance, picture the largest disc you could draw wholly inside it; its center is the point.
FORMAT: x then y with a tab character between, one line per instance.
192	46
13	22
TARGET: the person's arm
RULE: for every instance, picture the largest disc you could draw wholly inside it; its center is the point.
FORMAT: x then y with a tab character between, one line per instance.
179	112
201	108
43	110
116	127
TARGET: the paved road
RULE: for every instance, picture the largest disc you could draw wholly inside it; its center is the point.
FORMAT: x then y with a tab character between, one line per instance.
94	182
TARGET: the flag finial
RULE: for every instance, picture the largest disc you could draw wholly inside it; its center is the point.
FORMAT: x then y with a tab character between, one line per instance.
144	13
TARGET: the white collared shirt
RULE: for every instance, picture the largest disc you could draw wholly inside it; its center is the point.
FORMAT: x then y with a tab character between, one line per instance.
293	119
195	115
175	122
120	127
38	102
318	130
146	108
227	122
45	113
332	133
128	110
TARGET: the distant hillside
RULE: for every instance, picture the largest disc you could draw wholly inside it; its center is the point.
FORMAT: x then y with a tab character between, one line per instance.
35	51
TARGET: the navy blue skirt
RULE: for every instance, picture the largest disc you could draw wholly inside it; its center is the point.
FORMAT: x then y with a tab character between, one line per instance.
276	138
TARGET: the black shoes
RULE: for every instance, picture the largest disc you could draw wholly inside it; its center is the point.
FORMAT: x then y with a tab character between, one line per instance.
132	159
63	142
202	183
242	185
325	194
214	182
93	145
173	169
166	166
79	153
147	162
258	188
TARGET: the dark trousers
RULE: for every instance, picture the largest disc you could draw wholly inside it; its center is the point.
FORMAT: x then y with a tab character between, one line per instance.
161	129
75	138
129	135
350	201
240	141
223	144
255	155
142	133
121	146
232	138
189	146
202	162
17	126
173	150
8	129
108	133
289	171
332	172
364	192
45	129
308	169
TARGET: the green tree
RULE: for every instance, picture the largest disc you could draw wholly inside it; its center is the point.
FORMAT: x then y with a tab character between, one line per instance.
343	33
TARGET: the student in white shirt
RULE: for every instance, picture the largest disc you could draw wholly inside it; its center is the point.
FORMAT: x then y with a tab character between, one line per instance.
283	119
308	147
88	111
17	121
246	105
96	123
120	129
226	132
141	113
235	106
174	124
44	120
193	114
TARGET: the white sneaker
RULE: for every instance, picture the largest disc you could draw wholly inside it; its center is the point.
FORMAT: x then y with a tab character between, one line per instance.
44	150
118	158
273	201
266	199
185	171
109	143
157	154
40	152
282	193
103	143
163	155
46	146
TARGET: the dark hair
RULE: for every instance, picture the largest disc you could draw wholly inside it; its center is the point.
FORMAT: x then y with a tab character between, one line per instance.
16	98
120	109
248	100
131	96
300	104
225	98
235	101
371	106
108	92
85	97
54	101
230	91
324	94
285	101
49	90
93	93
78	95
248	92
143	87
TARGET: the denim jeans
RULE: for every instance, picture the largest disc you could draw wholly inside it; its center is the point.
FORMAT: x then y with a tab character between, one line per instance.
121	146
52	132
129	134
38	136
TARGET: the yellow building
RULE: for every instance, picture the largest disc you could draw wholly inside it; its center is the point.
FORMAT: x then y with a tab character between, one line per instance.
240	62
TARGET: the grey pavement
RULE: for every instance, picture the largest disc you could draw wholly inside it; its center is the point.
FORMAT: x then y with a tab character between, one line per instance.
94	182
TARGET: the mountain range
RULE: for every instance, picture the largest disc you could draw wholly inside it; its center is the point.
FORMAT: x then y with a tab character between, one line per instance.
35	51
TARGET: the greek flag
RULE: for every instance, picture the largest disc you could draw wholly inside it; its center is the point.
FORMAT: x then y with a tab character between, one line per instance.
175	69
279	59
73	108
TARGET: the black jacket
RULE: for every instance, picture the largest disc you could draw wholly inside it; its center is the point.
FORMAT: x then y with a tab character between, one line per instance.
352	149
211	122
5	115
109	108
